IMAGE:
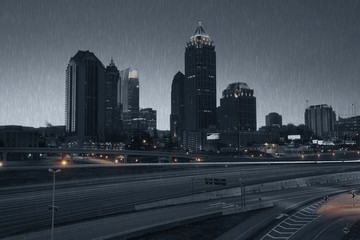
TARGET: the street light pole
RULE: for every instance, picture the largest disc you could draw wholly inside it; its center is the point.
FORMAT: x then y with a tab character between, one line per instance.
53	202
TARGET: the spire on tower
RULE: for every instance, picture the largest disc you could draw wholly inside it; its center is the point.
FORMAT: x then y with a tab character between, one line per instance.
112	64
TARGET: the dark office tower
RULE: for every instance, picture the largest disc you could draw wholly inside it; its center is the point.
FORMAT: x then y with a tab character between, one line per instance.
320	119
147	118
112	111
237	108
200	82
129	90
273	119
177	107
85	97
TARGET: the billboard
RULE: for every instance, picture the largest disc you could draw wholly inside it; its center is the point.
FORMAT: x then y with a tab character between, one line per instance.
212	136
294	137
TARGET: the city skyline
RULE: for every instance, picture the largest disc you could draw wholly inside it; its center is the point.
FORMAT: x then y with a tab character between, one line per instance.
287	51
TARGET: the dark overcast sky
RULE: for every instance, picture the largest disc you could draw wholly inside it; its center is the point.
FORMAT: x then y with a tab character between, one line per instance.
287	51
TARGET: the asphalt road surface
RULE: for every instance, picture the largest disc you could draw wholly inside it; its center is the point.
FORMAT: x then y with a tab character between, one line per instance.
28	210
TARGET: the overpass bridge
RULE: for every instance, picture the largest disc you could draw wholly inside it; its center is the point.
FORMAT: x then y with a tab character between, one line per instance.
122	154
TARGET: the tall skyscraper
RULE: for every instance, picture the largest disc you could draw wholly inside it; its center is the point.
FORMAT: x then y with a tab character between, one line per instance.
129	90
320	119
273	119
177	107
200	82
237	111
85	97
112	110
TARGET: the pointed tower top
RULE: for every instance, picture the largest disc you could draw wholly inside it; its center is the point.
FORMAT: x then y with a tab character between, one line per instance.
112	64
200	37
200	32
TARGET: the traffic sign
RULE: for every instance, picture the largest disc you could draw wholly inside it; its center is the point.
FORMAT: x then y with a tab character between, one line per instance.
208	181
215	181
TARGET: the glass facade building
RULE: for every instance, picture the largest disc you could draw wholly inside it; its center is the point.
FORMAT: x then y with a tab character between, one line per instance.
200	82
237	109
128	89
84	97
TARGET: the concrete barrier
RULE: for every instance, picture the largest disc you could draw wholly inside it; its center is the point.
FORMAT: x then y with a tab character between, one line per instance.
160	226
248	208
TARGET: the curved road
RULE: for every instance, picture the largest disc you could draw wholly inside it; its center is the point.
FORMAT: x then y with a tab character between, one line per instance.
24	211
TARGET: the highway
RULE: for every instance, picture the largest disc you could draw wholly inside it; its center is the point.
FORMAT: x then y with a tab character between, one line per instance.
338	213
125	225
22	211
315	219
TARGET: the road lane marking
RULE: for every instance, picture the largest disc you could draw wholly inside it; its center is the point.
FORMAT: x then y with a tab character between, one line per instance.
278	212
228	206
216	204
283	232
295	225
305	215
287	228
304	218
327	228
299	221
307	211
276	237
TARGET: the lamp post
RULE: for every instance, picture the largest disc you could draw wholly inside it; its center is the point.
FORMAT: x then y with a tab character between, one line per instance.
53	202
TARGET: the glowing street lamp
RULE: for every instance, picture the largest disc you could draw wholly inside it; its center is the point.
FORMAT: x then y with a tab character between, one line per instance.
53	202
